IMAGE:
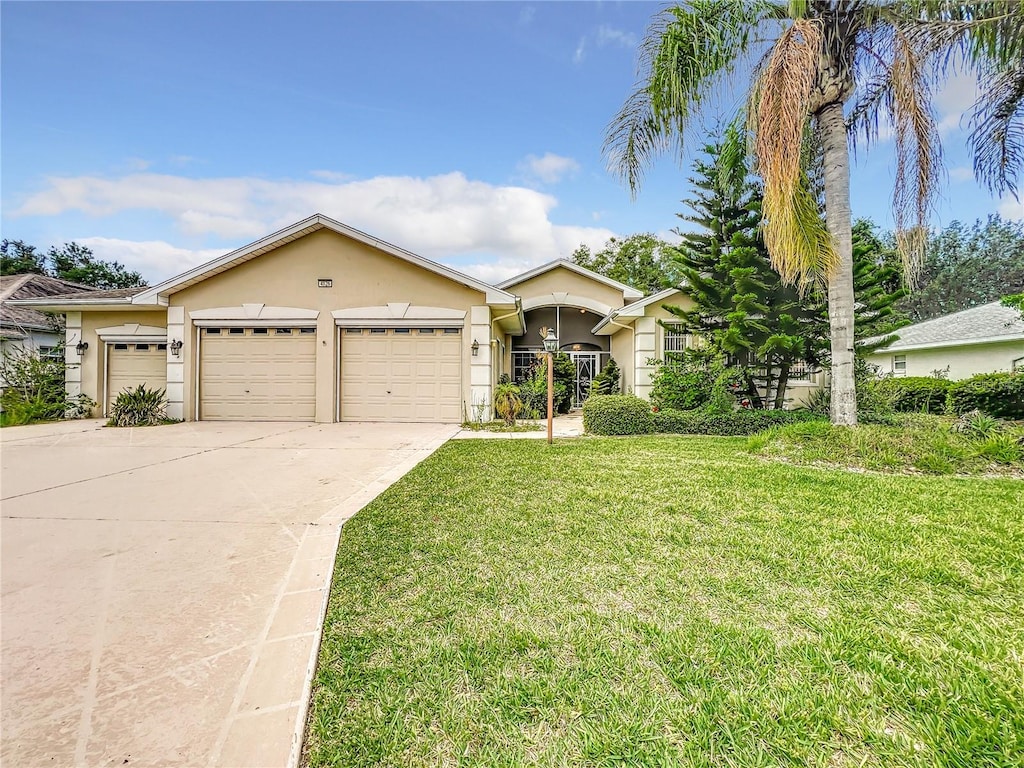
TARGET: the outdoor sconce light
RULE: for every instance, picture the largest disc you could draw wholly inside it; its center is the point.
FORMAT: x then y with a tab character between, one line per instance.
475	347
80	347
176	347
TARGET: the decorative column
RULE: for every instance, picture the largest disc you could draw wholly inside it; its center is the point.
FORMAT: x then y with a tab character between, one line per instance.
480	393
645	348
176	363
73	363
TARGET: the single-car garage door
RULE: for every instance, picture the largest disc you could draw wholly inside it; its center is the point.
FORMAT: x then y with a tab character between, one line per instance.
129	365
401	374
257	374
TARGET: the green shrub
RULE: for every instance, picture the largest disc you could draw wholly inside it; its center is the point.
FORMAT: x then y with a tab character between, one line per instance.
683	381
617	415
34	388
916	394
997	394
507	403
607	381
738	422
139	407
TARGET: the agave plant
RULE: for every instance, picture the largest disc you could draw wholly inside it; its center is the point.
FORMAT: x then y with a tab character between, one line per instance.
139	407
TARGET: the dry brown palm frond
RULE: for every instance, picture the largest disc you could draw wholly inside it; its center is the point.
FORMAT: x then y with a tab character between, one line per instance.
797	240
918	149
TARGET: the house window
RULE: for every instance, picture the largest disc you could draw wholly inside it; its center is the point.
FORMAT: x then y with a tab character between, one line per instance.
162	347
426	331
260	331
51	353
451	330
378	330
236	331
213	331
676	337
307	330
283	331
899	365
122	347
142	347
357	331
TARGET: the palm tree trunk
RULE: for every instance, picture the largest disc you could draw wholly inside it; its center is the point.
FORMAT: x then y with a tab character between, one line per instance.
832	127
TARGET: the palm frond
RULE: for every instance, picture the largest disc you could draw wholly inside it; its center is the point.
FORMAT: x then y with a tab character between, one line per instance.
685	52
997	131
798	242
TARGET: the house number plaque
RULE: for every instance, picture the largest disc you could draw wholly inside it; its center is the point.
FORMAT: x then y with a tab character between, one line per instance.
325	282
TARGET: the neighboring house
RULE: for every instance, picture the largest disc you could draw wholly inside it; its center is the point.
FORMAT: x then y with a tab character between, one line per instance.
26	327
982	339
321	322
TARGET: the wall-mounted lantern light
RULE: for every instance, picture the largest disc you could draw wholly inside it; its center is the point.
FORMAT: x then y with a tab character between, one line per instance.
176	347
80	347
475	347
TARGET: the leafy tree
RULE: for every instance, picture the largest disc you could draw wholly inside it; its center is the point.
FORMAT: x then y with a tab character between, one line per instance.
70	261
878	286
1015	301
965	266
743	307
642	261
76	263
19	258
827	58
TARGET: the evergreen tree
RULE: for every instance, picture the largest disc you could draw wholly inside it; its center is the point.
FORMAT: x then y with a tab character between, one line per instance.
878	286
742	306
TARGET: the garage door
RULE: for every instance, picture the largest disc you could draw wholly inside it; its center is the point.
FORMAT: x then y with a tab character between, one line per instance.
257	374
401	374
129	365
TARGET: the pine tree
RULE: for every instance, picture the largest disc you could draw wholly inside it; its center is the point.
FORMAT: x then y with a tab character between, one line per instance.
742	306
878	285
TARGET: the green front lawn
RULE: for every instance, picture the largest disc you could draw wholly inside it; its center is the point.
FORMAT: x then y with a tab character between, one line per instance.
673	601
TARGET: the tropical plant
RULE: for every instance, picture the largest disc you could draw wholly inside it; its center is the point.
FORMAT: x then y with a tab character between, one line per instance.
33	387
879	62
507	403
607	381
139	407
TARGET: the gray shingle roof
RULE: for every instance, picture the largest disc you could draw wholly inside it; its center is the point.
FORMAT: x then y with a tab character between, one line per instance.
988	322
16	319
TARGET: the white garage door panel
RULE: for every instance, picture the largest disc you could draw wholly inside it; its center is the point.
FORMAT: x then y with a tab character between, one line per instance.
396	376
129	365
255	376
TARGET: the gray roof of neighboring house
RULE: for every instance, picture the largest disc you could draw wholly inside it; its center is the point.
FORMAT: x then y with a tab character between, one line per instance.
986	323
14	320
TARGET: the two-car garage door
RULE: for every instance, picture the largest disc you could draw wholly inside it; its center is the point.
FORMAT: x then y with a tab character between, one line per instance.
386	374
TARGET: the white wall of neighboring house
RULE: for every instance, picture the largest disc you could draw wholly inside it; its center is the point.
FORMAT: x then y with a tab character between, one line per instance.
956	362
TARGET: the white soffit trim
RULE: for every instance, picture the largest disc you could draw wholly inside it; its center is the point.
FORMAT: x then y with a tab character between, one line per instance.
896	349
399	315
301	229
564	300
628	291
637	309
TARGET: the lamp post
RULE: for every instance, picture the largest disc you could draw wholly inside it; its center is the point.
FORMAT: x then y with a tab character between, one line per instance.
551	346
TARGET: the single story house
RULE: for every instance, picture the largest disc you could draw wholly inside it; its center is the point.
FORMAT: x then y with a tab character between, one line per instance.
983	339
321	322
26	327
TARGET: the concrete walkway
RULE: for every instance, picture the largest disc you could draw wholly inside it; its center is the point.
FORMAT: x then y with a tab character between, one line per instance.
163	588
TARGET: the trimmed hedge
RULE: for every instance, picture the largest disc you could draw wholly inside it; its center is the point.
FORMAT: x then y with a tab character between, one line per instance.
916	394
743	422
997	394
617	415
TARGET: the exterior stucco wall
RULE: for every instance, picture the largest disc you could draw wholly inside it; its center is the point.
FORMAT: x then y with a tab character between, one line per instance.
562	280
622	352
362	277
959	362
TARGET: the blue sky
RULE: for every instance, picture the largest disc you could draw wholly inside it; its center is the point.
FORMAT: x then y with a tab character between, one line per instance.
165	134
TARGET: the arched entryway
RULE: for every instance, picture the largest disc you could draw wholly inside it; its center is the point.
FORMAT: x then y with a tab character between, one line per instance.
573	326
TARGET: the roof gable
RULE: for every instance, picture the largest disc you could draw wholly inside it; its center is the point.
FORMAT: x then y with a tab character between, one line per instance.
628	291
158	294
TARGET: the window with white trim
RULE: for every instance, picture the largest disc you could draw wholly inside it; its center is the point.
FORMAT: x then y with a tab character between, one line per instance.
899	365
675	338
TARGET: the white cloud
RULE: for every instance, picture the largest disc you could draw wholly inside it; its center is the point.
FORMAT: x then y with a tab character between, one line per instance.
445	218
953	99
961	173
580	53
1012	208
332	175
549	168
607	35
155	259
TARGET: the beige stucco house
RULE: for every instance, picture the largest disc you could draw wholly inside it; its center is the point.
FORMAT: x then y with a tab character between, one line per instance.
984	339
321	322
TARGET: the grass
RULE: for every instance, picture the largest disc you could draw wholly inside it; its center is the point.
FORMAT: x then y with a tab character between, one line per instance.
672	601
923	444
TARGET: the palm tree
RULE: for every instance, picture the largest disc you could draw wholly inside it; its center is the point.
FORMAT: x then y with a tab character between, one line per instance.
834	72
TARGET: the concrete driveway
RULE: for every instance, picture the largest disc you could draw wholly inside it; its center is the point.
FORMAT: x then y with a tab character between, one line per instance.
162	588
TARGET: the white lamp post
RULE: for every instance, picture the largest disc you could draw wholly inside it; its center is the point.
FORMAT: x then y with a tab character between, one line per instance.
551	346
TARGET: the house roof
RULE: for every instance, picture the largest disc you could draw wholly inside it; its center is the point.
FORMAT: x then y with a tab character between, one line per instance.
628	291
978	325
16	319
158	294
634	310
